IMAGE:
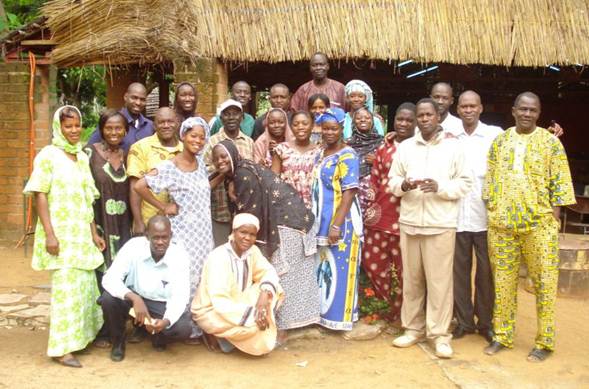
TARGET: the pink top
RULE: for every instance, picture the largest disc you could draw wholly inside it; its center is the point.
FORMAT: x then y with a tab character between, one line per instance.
335	90
297	169
262	153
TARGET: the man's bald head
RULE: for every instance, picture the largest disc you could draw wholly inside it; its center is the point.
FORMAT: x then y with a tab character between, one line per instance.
159	234
469	94
159	223
135	98
279	86
527	95
136	86
442	85
164	112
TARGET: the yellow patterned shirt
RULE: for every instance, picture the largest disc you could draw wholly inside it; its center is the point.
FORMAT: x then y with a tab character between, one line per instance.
527	175
145	155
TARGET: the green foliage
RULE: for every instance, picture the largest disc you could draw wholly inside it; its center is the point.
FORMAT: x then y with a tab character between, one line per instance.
372	307
263	102
19	13
84	87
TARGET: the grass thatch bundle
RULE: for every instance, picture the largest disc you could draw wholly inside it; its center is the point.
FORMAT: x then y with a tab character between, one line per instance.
499	32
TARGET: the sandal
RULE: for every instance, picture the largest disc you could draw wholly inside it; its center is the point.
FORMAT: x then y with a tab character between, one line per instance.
102	343
538	355
69	362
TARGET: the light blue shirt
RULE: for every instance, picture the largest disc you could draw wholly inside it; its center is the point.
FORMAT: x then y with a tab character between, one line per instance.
167	280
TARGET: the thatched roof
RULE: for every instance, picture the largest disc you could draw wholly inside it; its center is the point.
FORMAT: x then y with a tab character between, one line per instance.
498	32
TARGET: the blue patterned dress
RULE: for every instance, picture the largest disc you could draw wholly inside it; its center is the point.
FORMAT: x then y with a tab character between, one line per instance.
192	227
337	265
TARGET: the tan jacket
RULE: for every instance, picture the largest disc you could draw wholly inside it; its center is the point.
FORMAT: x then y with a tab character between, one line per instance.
440	159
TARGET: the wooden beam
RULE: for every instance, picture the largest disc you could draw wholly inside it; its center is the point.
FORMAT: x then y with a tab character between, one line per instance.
38	42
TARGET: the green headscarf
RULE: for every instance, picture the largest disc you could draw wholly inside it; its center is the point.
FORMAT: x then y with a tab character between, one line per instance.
58	138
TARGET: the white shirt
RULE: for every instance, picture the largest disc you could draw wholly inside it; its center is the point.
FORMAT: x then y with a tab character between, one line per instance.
472	212
167	280
452	124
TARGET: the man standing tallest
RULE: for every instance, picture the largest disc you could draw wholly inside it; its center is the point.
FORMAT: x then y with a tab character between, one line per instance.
319	67
528	180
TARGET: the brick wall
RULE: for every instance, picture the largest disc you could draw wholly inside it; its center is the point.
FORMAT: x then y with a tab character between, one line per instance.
14	137
210	78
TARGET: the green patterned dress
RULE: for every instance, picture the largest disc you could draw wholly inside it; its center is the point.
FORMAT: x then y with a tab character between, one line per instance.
75	316
112	213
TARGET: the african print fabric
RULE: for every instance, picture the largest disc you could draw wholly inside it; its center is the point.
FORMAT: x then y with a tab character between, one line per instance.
337	265
112	213
70	192
381	255
539	249
75	315
297	169
145	155
527	175
294	262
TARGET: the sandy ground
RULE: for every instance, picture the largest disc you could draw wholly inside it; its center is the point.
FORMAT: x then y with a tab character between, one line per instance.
330	362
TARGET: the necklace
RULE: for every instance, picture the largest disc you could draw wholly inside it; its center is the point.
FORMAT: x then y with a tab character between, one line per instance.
108	153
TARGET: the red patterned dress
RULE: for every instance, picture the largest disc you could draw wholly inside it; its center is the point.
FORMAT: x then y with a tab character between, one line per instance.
381	256
297	169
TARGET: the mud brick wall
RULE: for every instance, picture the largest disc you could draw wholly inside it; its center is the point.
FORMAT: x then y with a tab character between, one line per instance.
15	138
210	78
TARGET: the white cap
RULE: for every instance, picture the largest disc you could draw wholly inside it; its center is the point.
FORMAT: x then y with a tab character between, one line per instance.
242	219
228	103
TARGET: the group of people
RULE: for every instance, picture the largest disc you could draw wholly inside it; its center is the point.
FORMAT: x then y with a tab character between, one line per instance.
234	231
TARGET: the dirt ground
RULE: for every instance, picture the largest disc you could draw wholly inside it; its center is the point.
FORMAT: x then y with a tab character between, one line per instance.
328	362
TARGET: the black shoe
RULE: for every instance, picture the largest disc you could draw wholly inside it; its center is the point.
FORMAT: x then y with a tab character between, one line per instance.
460	331
117	353
157	343
137	335
494	348
487	334
159	347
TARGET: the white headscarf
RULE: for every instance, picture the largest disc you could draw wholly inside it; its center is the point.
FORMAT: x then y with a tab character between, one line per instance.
189	123
242	219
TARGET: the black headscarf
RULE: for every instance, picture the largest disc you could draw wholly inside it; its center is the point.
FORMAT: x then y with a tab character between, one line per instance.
364	143
262	193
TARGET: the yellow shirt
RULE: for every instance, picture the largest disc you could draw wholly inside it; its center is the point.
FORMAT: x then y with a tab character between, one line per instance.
145	155
527	175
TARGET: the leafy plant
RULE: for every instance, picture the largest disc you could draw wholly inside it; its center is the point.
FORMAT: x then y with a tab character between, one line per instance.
371	307
19	13
84	87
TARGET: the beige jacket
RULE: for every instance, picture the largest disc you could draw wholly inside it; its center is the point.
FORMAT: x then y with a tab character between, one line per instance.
222	309
440	159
